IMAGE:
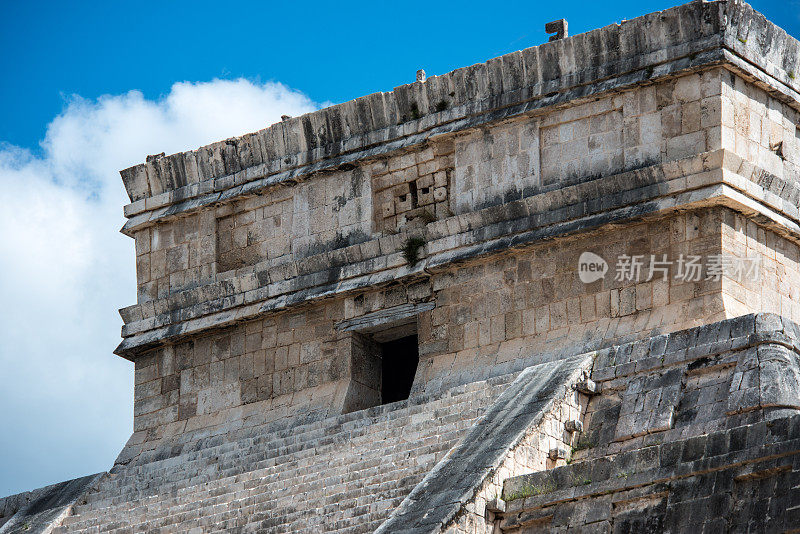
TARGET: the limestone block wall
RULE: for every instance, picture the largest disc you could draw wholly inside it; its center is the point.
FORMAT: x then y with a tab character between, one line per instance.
674	435
412	189
294	359
532	302
645	95
586	140
490	317
259	232
760	128
648	125
331	211
287	363
777	287
331	228
175	256
557	71
255	230
497	164
732	480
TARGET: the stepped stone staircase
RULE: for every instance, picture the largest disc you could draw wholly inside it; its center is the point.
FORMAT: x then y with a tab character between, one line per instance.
342	474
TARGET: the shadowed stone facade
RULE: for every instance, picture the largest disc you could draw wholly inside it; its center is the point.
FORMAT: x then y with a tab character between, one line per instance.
290	279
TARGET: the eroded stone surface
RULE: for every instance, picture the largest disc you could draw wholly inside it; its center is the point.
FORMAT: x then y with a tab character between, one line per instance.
272	267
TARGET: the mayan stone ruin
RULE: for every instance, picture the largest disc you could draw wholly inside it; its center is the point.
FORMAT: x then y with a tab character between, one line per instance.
558	291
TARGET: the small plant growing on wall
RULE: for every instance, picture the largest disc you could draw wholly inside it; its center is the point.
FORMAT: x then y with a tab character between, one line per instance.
415	113
411	249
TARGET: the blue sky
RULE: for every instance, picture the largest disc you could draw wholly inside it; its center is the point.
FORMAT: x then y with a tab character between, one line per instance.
330	51
88	88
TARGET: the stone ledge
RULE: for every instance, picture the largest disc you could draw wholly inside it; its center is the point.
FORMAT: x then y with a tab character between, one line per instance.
396	314
619	362
191	198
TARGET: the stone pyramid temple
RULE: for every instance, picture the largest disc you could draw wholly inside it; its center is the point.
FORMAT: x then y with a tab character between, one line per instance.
558	291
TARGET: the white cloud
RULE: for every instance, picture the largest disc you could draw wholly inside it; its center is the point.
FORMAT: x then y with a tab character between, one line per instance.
66	400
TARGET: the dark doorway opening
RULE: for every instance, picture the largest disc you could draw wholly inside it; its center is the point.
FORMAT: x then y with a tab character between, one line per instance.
400	358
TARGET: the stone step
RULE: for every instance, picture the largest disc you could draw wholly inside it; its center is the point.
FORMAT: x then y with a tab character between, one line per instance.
215	453
271	446
96	500
239	482
270	489
376	456
265	494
